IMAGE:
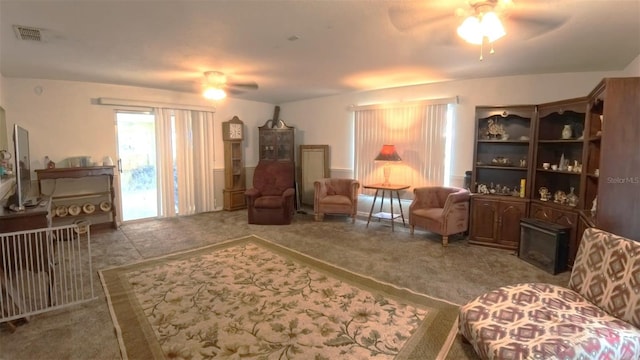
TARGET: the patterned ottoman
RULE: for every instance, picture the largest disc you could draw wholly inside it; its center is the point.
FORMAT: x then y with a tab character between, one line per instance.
597	317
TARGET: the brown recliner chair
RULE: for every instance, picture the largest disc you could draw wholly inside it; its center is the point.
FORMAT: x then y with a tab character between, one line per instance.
439	209
271	200
335	196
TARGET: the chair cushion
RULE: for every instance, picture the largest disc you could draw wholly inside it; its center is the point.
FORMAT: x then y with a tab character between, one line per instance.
544	321
269	202
431	213
335	200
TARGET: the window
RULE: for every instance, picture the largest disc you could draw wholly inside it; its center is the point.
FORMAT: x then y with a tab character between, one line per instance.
421	132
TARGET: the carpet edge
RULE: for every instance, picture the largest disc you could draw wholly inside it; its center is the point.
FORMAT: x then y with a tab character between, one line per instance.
114	319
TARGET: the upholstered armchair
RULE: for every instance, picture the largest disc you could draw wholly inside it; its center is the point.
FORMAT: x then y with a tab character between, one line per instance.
335	196
439	209
271	199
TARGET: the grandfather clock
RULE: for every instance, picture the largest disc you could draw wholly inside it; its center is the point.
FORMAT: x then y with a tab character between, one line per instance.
234	174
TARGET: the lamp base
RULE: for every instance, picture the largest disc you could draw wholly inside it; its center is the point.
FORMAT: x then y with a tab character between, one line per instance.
387	173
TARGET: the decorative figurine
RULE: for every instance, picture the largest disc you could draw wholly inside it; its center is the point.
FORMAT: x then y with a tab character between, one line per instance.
544	193
560	197
495	130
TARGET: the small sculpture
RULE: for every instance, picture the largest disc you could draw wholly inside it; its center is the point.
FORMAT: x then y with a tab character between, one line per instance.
560	197
544	193
495	130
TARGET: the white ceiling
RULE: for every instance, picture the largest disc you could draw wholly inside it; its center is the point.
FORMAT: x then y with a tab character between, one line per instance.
342	46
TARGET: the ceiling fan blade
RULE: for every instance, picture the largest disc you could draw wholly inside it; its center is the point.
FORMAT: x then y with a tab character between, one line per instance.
234	91
251	85
534	25
413	15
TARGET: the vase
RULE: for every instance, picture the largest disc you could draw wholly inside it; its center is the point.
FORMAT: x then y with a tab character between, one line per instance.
572	198
567	132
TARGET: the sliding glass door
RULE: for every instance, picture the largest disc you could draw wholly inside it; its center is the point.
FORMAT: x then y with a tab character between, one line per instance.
137	165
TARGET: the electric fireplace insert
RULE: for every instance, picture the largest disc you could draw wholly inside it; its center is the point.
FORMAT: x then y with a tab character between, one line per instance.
544	244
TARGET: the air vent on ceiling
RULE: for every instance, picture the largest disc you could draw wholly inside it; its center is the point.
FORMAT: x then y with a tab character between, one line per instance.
27	33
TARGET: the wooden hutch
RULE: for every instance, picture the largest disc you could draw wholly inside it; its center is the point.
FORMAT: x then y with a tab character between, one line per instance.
593	143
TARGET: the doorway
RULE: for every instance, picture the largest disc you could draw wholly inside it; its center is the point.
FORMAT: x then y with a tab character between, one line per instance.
136	136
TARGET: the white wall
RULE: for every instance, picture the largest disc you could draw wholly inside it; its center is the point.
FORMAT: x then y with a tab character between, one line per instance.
2	92
64	121
327	120
633	69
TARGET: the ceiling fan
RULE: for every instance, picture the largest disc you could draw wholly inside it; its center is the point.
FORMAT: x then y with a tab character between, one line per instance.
216	85
526	18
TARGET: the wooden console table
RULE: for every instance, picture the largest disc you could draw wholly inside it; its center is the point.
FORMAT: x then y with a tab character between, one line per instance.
36	217
90	197
384	215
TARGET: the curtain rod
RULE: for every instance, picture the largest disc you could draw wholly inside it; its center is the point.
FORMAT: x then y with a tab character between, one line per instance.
153	104
442	101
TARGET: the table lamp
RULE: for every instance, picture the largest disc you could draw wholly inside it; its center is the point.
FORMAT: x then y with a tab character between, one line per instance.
388	154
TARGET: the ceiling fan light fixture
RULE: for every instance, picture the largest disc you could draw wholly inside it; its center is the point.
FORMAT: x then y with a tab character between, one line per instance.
492	27
475	28
471	31
213	93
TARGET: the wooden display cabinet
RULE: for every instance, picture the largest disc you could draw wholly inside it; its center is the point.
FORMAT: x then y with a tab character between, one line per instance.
502	164
276	141
503	159
593	148
603	144
551	147
618	190
496	220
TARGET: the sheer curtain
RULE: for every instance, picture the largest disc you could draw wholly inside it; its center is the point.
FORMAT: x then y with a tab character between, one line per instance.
419	132
164	161
185	161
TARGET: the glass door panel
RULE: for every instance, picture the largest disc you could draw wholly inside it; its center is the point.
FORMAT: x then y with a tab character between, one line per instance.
137	165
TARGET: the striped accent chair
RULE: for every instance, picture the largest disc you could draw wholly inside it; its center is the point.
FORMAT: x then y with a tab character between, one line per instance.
596	317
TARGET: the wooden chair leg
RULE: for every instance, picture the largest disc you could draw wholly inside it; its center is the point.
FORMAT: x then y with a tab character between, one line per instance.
445	240
319	216
412	227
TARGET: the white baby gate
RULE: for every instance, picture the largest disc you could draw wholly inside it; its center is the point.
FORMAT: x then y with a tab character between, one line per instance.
44	269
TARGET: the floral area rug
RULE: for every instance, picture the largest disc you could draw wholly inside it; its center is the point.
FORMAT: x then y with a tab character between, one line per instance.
253	299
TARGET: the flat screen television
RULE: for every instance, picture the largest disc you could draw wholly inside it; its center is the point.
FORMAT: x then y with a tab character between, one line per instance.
22	168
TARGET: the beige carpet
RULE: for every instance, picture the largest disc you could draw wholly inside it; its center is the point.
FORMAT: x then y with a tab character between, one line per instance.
251	298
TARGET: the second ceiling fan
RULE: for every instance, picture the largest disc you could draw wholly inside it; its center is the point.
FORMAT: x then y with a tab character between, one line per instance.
216	86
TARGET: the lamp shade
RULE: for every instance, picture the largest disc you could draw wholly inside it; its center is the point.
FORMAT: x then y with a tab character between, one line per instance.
388	153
